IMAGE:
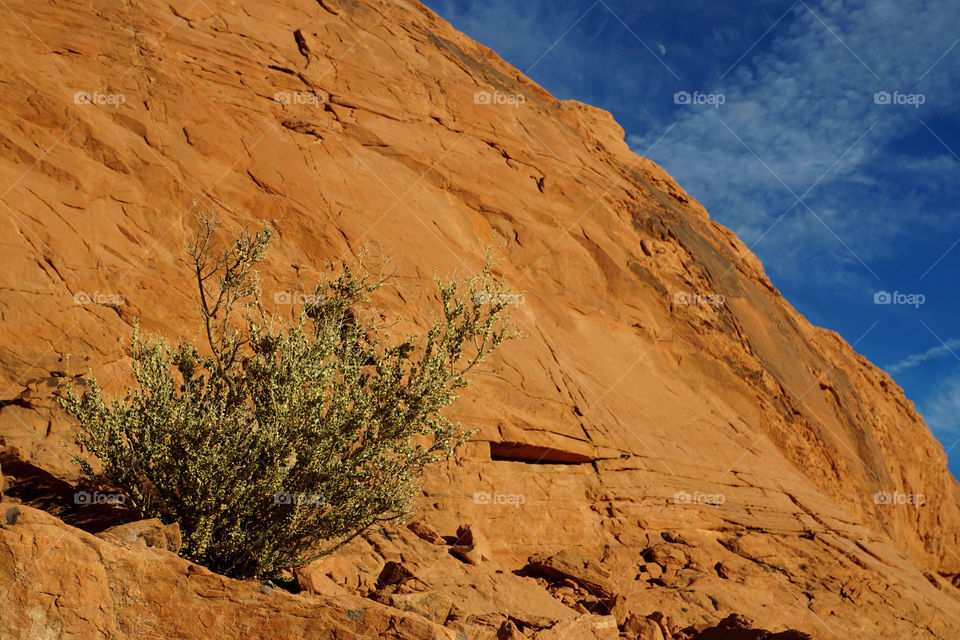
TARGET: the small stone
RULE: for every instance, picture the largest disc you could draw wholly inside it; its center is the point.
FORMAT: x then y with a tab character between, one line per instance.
509	631
642	628
735	621
666	625
476	544
617	607
393	573
668	555
465	553
653	570
425	532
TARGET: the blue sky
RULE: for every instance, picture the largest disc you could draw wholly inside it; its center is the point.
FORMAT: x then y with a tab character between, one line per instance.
825	133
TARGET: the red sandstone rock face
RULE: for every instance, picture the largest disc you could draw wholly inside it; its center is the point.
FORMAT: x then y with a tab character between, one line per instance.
711	451
63	583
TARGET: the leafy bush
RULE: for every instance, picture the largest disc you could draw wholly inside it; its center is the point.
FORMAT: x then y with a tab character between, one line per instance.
284	440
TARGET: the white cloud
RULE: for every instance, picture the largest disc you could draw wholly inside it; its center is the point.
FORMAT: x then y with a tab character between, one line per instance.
950	347
941	411
803	111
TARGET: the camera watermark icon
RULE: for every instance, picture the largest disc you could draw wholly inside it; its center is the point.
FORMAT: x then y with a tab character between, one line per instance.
298	97
113	99
711	499
84	498
297	297
687	298
496	97
309	499
105	299
712	99
502	298
500	499
912	99
897	498
912	299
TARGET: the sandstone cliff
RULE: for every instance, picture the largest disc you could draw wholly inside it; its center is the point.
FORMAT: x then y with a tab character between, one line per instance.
703	449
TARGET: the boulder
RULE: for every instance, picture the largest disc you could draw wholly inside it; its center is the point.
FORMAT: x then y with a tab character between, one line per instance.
339	574
394	574
663	621
467	554
584	627
653	570
470	536
313	580
471	545
668	555
570	565
425	532
435	607
508	631
150	533
738	627
642	628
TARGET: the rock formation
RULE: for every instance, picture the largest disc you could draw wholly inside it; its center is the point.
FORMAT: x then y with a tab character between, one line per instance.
671	444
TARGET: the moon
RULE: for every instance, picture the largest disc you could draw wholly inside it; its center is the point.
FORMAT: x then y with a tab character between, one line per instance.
663	49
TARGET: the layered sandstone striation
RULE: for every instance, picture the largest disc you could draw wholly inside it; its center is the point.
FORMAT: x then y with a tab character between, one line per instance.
670	444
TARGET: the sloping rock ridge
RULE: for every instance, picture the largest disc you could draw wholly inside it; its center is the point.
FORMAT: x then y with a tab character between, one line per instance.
671	452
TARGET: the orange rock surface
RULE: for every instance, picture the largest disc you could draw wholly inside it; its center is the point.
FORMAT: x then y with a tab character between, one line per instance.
707	451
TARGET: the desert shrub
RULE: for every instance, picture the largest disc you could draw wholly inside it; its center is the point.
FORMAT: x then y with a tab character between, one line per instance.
280	440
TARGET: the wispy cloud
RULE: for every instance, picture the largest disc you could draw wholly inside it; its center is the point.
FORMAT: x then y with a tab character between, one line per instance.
941	410
816	109
950	347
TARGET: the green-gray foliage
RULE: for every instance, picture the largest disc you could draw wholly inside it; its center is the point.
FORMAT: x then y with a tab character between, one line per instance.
282	440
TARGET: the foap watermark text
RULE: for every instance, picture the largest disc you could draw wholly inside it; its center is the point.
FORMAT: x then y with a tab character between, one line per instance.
311	499
112	99
697	98
496	97
500	499
695	298
911	99
910	299
98	297
897	498
502	298
297	297
712	499
83	498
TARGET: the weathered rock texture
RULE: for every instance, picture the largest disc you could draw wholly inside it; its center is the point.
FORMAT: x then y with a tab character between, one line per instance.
710	452
63	583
